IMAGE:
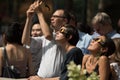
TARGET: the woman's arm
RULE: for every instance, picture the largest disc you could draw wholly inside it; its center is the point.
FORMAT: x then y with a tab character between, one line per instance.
1	61
85	57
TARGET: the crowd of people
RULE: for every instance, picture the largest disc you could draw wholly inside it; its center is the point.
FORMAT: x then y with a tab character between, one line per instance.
41	51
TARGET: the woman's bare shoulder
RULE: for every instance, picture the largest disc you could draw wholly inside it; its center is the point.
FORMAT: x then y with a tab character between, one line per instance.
103	60
1	51
85	57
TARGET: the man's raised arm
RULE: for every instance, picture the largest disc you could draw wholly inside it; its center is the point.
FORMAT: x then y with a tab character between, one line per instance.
26	31
44	26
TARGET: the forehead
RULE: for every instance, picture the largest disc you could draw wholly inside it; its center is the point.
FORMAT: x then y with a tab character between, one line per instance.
58	12
36	26
97	24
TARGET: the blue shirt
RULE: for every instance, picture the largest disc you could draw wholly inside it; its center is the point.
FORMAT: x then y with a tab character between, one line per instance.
111	35
84	41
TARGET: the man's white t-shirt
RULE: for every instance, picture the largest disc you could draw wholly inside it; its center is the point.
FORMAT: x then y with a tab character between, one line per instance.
52	57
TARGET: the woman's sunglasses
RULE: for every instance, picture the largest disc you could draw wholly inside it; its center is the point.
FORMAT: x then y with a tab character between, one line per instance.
100	41
62	30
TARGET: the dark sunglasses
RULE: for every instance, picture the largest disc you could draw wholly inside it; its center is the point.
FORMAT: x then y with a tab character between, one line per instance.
55	16
100	41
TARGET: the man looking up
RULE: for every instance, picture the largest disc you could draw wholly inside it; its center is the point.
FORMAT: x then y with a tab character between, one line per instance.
52	54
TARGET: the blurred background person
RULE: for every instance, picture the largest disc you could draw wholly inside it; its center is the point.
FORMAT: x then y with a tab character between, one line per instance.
35	32
102	25
35	27
118	28
84	37
18	56
115	61
35	50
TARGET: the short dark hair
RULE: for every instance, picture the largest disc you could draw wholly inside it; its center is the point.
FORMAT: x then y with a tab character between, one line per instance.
71	30
13	33
109	43
117	51
67	15
35	19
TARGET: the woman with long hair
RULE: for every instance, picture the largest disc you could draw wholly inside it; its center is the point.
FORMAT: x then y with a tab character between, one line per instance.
97	61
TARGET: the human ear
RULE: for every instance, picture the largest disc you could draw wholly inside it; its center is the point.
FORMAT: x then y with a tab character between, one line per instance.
104	49
66	21
68	36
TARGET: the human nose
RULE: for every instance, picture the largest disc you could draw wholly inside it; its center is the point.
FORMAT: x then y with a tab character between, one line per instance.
92	41
52	18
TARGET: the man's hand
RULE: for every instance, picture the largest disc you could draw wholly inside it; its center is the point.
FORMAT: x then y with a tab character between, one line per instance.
34	8
30	11
37	6
34	78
